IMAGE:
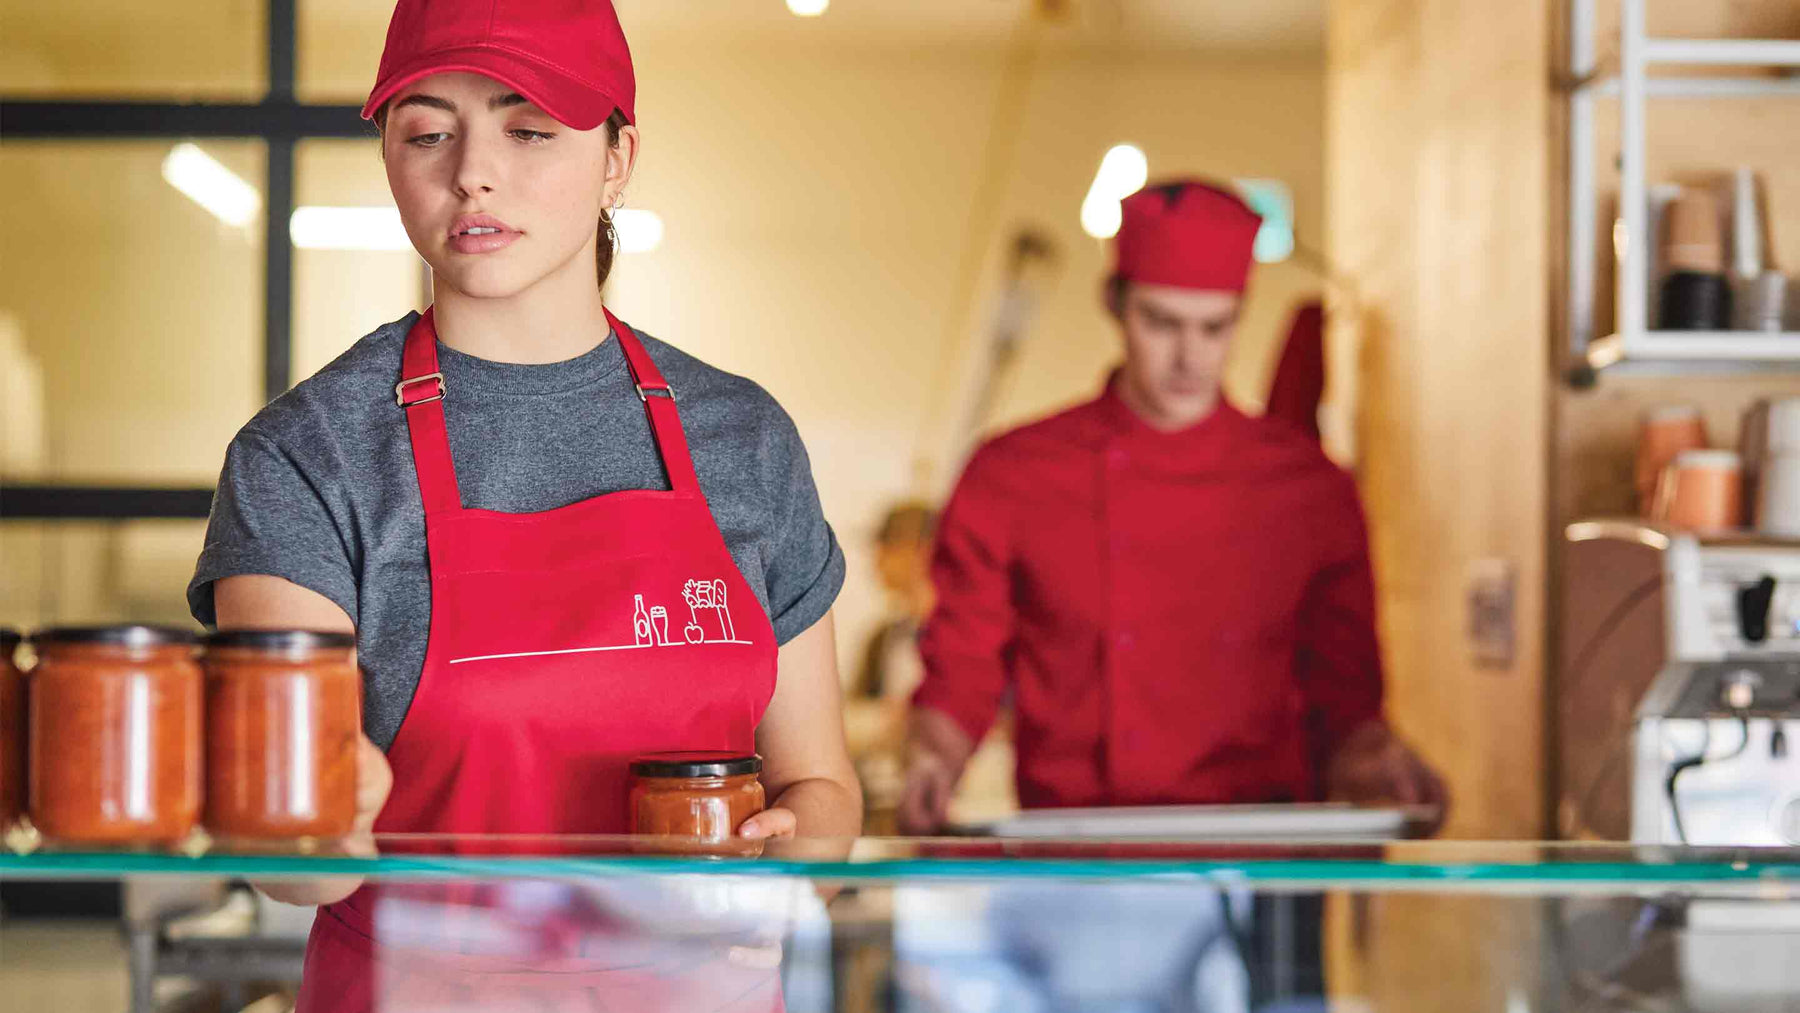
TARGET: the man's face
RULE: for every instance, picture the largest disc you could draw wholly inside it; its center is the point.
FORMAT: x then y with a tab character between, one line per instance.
1175	345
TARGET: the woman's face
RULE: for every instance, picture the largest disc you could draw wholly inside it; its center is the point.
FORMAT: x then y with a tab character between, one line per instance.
495	194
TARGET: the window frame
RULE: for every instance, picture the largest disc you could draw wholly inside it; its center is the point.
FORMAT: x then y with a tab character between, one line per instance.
281	123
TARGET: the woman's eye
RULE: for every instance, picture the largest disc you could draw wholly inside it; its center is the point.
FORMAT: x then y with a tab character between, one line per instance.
427	140
532	136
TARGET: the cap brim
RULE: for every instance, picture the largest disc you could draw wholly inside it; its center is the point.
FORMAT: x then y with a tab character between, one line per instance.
571	102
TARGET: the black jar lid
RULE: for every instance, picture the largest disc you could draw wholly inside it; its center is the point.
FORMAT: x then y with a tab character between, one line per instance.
282	640
127	635
695	764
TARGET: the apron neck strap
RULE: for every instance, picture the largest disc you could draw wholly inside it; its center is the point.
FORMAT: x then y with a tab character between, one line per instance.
421	393
659	405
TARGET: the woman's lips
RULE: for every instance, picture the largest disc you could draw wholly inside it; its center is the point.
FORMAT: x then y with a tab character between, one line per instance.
481	233
483	242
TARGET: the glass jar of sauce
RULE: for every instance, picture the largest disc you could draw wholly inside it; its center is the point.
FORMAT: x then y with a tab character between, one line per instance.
13	725
696	801
282	721
114	751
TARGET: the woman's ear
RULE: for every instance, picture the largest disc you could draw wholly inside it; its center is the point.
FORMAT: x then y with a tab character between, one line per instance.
621	159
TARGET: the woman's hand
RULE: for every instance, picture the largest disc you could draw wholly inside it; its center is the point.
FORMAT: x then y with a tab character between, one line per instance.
374	782
775	824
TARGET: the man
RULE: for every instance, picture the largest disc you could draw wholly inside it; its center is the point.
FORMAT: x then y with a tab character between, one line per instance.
1176	597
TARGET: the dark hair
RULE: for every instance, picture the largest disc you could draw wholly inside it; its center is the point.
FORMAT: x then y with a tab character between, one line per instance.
1113	292
609	236
910	521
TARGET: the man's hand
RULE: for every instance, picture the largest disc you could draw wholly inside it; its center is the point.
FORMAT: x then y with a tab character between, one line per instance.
937	749
925	801
1374	766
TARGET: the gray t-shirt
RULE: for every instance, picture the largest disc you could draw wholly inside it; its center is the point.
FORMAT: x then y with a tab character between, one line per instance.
319	488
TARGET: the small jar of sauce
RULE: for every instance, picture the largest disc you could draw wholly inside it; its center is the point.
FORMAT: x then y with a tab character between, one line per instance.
114	751
282	720
696	800
13	729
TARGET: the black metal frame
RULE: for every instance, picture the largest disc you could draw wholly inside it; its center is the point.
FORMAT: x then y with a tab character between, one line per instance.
281	122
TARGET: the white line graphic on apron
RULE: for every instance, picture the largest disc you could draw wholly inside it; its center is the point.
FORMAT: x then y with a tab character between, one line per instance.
709	622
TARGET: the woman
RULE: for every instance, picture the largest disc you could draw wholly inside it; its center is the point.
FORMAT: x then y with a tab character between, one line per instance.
503	500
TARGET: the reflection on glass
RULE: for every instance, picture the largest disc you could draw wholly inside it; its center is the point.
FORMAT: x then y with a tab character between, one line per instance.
170	50
132	328
977	944
353	267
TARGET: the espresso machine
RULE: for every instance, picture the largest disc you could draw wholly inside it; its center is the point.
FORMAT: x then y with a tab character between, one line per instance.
1679	697
1700	638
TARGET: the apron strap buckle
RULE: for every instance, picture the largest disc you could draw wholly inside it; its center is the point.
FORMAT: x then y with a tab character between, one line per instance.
400	390
646	393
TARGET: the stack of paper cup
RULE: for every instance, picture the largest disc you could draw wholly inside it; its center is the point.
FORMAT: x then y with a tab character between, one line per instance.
1778	499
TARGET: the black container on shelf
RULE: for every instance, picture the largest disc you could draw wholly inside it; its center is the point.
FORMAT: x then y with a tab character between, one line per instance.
1692	301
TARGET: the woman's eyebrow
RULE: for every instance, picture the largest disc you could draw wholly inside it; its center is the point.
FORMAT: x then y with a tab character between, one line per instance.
496	103
431	101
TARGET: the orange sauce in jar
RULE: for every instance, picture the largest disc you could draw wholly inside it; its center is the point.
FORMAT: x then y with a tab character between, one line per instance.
696	801
14	723
114	753
282	722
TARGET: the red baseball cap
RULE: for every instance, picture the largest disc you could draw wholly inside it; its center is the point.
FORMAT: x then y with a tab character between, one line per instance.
568	57
1187	234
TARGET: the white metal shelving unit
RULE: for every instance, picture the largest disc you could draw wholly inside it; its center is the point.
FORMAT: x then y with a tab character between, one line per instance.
1634	344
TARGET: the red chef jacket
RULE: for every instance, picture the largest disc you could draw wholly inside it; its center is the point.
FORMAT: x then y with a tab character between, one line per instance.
1178	617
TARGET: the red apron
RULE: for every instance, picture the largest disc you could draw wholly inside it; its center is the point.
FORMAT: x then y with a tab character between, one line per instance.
563	643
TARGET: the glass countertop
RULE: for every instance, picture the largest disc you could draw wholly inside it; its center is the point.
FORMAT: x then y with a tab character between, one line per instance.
1429	865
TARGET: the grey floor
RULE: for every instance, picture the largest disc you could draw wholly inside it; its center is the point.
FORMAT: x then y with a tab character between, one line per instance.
70	967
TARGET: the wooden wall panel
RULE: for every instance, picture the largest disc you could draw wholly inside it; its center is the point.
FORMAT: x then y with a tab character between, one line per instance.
1439	168
1438	165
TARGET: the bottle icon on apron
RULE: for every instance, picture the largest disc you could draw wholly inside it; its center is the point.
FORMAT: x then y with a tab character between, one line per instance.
640	624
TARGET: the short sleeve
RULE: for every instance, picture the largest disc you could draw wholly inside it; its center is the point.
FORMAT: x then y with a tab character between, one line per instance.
268	518
805	568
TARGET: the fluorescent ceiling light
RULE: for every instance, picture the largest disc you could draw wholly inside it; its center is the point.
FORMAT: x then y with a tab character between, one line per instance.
210	185
639	231
329	228
1123	172
808	8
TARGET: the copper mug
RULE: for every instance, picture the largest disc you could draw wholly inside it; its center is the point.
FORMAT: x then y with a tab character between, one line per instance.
1702	490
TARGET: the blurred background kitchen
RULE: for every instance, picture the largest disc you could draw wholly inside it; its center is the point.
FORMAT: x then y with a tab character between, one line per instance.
892	213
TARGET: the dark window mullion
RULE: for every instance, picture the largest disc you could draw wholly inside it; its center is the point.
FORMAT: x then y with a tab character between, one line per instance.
278	202
278	270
